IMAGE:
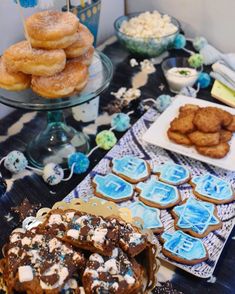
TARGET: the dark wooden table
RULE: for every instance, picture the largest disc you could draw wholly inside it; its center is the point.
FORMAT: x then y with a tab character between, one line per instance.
20	126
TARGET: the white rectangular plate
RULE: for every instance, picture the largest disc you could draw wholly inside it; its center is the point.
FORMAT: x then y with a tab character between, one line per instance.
157	133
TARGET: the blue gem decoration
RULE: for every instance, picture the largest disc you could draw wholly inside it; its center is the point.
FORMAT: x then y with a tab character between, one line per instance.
150	215
81	162
131	167
120	122
184	246
162	102
158	193
204	80
113	187
172	173
196	215
179	42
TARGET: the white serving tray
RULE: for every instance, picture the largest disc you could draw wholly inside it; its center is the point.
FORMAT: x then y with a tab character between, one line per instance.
157	134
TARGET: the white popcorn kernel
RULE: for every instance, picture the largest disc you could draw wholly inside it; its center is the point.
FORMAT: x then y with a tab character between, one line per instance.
99	235
96	257
119	94
55	219
73	233
25	273
133	62
130	280
25	241
54	244
111	266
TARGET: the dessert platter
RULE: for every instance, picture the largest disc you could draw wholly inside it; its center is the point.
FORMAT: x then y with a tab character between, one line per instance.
188	205
80	248
55	68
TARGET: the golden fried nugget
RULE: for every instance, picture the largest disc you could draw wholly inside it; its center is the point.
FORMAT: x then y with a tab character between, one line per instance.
184	124
187	109
225	136
231	126
204	139
179	138
218	151
226	117
207	120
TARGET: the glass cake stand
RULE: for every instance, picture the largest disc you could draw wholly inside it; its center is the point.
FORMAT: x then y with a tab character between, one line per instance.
58	140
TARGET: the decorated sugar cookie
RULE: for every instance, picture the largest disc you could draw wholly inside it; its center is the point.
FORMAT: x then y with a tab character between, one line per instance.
157	194
150	216
183	248
172	173
213	189
112	187
131	168
196	217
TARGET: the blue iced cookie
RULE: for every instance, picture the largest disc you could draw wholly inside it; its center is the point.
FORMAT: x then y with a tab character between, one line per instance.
150	216
183	248
198	218
131	168
112	187
157	194
213	189
172	173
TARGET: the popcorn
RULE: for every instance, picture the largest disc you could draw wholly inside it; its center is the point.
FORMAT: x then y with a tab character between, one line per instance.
119	93
148	25
133	62
147	66
132	94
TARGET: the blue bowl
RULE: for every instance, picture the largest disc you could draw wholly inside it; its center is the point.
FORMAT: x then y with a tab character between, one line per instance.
149	47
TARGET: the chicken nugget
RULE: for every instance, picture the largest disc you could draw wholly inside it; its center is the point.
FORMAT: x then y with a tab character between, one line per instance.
207	120
184	124
179	138
231	126
225	136
204	139
188	108
218	151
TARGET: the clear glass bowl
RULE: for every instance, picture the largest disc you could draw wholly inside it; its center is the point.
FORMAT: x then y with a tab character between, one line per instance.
175	81
149	47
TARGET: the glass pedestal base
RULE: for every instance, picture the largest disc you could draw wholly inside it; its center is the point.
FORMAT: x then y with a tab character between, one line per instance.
56	142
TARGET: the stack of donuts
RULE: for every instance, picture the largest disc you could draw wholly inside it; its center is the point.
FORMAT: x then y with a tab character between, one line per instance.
55	63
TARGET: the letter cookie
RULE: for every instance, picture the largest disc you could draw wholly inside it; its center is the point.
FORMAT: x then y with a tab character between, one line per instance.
213	189
131	168
112	187
183	248
171	173
196	217
150	216
157	194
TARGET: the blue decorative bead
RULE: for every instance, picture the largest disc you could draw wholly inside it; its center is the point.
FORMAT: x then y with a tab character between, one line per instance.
204	80
199	43
188	91
53	174
162	102
120	122
15	162
28	3
179	42
81	161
